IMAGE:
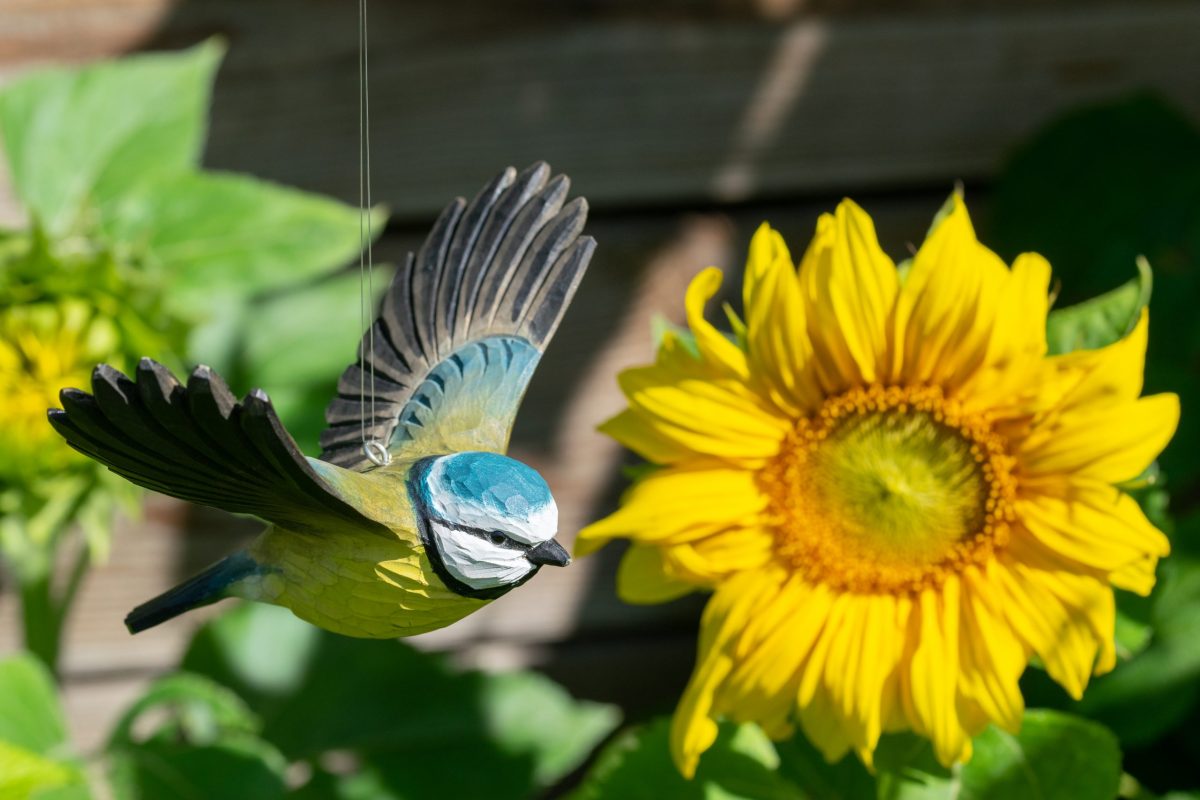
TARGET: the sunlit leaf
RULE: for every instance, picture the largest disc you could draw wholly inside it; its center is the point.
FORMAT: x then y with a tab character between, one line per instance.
741	765
1102	320
1054	755
80	138
197	710
30	715
211	234
25	774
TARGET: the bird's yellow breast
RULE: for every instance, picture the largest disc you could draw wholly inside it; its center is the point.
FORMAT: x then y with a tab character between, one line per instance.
356	584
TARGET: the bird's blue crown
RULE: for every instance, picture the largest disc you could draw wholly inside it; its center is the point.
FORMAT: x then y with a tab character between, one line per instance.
494	483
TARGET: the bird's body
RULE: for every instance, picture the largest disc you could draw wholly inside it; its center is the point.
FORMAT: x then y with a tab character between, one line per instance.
366	586
446	523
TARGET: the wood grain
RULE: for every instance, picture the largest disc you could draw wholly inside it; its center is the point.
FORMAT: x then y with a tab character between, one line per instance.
697	102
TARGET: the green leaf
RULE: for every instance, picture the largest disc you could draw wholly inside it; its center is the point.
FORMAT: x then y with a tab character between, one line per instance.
286	348
25	774
235	768
1054	755
198	710
1102	320
30	715
80	138
637	765
213	234
202	743
392	707
661	328
264	653
529	715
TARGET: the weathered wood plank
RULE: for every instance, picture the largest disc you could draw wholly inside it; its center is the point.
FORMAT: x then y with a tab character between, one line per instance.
704	102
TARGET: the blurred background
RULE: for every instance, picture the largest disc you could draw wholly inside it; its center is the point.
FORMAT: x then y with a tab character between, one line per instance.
685	123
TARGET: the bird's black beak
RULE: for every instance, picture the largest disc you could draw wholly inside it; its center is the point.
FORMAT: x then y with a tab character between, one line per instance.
549	552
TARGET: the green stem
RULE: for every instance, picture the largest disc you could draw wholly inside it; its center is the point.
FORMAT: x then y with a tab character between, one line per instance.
83	562
42	620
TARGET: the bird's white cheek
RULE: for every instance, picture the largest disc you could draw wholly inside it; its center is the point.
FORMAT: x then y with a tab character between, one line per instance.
477	562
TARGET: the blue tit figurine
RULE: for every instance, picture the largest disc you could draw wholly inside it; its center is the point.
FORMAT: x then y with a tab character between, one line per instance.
436	521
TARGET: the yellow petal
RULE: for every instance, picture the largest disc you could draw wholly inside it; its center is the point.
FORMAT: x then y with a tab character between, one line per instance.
824	727
714	346
693	728
762	686
643	578
932	674
1093	524
768	251
679	504
778	347
707	417
849	287
991	659
863	655
1107	376
1018	340
1063	634
737	549
1112	443
945	311
642	436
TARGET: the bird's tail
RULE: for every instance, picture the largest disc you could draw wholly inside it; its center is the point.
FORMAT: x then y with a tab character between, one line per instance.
208	587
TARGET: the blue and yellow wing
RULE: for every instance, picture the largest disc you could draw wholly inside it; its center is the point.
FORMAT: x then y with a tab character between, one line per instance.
464	323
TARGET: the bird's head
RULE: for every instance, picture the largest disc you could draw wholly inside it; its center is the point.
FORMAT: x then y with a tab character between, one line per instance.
487	521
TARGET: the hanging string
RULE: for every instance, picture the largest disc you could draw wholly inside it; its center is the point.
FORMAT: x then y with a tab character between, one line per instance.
372	448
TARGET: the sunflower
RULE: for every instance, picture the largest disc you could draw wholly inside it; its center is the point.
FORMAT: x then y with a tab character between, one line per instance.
896	496
43	347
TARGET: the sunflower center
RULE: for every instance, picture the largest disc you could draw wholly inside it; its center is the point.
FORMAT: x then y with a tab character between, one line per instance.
889	490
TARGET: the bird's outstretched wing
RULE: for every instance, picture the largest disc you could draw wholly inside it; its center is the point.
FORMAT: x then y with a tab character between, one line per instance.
200	444
464	323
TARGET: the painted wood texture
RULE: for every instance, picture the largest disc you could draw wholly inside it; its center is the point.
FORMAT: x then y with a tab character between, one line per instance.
685	124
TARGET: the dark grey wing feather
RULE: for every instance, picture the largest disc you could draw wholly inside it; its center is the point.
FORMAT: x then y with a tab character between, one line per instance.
502	267
200	444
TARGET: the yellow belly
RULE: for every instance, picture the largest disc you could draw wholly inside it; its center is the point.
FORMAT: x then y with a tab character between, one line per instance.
356	585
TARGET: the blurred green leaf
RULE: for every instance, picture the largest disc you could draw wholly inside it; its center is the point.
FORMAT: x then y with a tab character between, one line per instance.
264	653
527	714
25	774
661	328
393	706
235	768
188	737
86	136
30	715
198	710
1054	755
741	765
209	231
309	335
1132	635
1102	320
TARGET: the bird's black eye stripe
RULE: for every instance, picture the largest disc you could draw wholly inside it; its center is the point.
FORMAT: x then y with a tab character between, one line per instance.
498	538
